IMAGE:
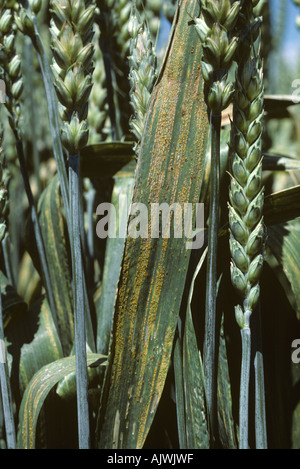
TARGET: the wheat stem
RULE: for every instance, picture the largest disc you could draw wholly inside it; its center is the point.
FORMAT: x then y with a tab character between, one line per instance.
209	350
6	390
215	29
79	302
260	402
244	388
72	47
5	177
7	260
246	196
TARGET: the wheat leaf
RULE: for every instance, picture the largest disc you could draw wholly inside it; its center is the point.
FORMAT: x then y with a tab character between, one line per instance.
38	389
170	169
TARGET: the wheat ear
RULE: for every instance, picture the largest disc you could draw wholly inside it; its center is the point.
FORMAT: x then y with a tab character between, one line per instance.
143	73
246	197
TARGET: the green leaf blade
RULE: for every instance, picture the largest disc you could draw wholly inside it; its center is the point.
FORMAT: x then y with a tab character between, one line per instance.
36	392
54	235
170	169
121	199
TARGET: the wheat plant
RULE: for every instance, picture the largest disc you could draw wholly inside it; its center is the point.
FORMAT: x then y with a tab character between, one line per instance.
215	27
115	341
246	200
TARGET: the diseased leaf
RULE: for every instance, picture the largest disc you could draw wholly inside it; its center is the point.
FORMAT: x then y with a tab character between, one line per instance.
29	280
33	342
179	392
284	243
277	162
279	207
280	319
276	105
54	235
170	169
226	424
11	301
36	392
105	159
121	199
197	430
67	386
282	206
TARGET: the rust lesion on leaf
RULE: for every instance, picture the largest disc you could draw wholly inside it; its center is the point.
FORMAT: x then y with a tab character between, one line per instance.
146	310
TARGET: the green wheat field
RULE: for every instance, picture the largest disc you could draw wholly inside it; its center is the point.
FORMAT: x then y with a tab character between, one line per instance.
128	318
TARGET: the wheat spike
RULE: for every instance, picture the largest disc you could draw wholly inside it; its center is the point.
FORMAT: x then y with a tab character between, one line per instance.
143	73
246	192
71	30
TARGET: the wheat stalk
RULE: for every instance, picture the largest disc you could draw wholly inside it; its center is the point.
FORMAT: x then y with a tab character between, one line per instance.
4	203
247	197
215	27
71	30
5	177
6	392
